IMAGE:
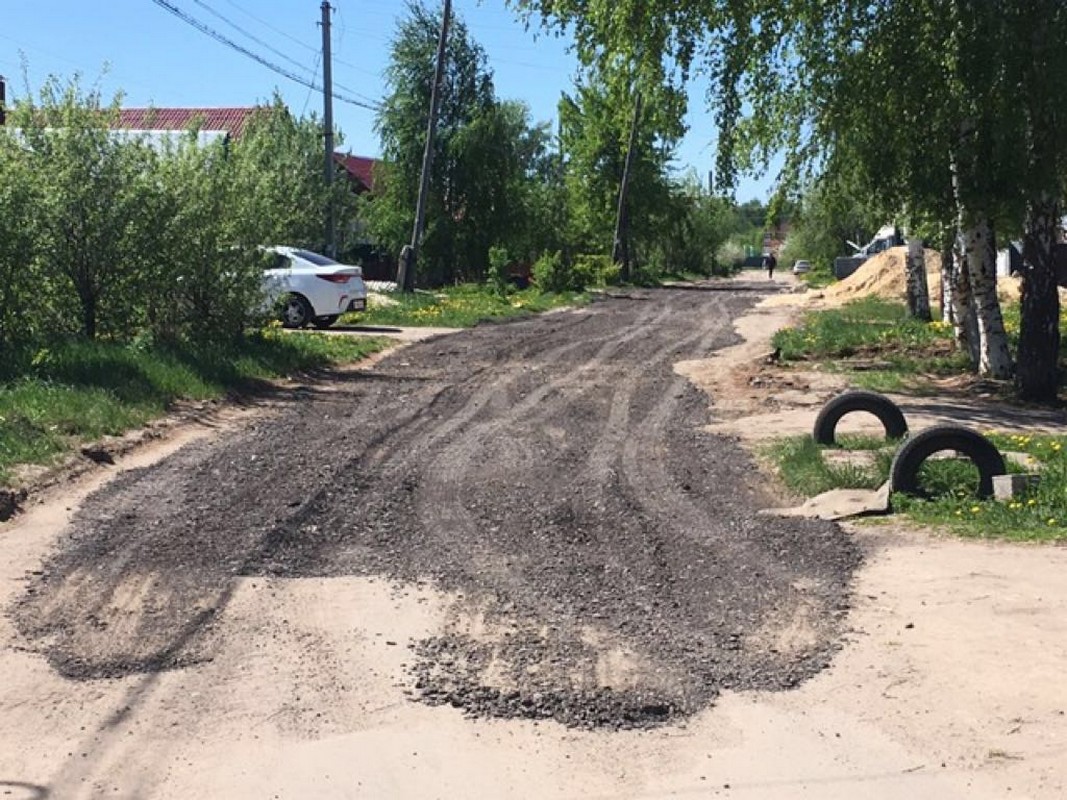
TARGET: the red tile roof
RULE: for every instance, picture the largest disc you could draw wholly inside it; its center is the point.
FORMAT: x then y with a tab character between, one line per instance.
230	120
360	168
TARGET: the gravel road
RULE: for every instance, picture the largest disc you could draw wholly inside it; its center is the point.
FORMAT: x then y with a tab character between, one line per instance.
552	472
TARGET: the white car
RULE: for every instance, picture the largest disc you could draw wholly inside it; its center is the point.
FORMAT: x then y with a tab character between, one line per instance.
800	266
312	288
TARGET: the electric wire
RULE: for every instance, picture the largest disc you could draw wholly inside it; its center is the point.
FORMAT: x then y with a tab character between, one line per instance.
318	55
293	39
241	30
207	30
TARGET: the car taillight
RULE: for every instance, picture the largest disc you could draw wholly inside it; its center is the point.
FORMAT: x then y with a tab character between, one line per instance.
337	277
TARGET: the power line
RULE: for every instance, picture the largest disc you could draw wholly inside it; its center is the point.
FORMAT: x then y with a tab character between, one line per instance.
241	30
200	26
307	99
266	24
318	55
292	38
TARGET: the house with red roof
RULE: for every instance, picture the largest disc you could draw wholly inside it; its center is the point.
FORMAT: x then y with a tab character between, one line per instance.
225	123
359	169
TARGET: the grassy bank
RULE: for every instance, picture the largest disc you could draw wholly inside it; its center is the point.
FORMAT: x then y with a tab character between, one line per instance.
53	399
879	347
875	342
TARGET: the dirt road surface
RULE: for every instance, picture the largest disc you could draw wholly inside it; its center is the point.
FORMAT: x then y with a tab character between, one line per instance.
511	562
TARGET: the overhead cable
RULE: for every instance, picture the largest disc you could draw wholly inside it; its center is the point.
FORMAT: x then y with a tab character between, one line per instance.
200	26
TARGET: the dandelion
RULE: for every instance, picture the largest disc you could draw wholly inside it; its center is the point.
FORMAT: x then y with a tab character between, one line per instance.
959	513
975	509
1051	521
1031	502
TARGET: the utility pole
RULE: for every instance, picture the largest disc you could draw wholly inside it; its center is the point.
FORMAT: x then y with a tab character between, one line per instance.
410	255
327	109
619	251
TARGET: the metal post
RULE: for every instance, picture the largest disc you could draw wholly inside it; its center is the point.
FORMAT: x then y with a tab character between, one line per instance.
407	277
327	103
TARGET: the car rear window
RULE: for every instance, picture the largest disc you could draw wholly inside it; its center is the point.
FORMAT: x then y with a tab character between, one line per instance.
314	258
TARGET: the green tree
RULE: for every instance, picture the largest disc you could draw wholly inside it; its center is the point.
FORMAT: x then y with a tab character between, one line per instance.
91	198
932	94
835	209
482	154
595	125
20	278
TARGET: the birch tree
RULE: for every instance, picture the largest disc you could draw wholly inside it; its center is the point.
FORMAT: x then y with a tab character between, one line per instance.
914	88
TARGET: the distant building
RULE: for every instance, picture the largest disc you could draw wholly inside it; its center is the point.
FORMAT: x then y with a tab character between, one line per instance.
228	123
170	123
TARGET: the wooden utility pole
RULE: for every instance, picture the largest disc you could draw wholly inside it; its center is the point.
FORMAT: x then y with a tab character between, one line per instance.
620	252
327	112
410	255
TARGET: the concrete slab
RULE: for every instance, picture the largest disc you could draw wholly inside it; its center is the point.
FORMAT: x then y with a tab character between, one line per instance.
839	504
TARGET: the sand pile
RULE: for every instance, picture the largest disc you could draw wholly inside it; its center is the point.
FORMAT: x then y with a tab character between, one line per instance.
883	275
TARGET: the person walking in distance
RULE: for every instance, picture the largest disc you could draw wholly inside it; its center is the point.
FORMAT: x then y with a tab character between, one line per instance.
770	262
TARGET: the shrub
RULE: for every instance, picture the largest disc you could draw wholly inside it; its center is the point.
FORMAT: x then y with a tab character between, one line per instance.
553	274
594	270
499	260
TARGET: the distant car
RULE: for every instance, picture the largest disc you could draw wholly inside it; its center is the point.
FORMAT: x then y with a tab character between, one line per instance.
311	288
800	266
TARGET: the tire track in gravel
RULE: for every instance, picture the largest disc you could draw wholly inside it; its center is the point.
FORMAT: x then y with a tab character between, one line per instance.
653	683
553	471
439	508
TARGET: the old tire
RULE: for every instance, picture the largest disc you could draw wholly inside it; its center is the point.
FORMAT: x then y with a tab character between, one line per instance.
904	474
888	414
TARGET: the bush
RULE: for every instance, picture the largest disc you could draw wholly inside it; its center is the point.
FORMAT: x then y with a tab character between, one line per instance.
553	274
499	261
594	270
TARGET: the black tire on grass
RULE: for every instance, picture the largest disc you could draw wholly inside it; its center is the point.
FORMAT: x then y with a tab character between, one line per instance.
888	414
904	474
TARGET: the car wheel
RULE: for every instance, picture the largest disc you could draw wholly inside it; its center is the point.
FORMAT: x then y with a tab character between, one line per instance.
325	322
904	474
882	407
296	312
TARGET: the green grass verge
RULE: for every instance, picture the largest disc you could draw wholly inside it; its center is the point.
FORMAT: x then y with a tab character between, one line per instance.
461	306
876	343
803	469
78	391
1040	515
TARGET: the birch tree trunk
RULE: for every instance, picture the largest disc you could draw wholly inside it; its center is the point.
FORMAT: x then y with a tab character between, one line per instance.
917	287
994	356
948	277
1039	332
966	322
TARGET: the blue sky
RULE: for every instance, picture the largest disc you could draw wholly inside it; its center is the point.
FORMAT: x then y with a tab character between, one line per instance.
156	58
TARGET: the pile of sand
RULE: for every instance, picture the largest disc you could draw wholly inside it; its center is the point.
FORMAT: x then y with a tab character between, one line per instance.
883	275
